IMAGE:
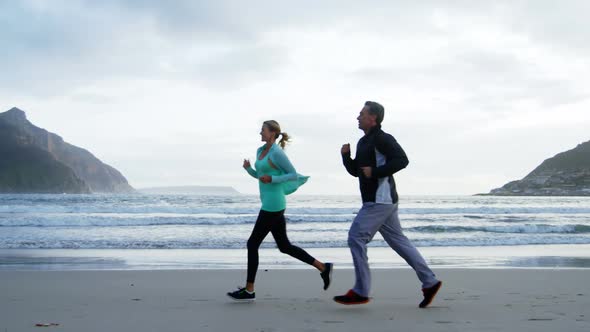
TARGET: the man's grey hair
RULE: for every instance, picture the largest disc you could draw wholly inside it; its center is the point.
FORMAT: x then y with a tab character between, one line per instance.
377	110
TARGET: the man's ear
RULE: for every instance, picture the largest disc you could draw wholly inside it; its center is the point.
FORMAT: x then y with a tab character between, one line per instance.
374	117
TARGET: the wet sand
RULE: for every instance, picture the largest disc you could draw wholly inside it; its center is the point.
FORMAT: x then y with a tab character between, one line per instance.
292	300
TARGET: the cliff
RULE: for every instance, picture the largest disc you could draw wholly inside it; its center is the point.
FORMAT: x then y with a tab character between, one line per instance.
35	160
565	174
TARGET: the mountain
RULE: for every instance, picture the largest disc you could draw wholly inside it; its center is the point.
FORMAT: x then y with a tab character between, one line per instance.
35	160
187	190
566	174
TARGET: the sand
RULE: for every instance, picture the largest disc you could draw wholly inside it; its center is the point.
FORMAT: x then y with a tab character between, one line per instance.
292	300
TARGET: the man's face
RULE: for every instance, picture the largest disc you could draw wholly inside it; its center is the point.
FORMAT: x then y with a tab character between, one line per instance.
366	119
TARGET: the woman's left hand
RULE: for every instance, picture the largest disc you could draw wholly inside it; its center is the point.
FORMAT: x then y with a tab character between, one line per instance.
266	179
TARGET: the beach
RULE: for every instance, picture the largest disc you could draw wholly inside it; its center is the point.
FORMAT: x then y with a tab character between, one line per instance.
292	300
154	154
166	262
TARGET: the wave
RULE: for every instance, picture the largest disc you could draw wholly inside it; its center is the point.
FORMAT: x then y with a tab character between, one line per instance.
150	222
440	223
476	212
241	244
526	228
123	220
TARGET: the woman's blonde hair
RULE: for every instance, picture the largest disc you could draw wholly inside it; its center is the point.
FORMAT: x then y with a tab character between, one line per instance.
274	127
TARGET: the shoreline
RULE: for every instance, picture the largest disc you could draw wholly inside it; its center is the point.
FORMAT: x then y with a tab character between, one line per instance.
501	257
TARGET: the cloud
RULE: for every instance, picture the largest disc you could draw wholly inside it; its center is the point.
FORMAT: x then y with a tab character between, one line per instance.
191	81
51	50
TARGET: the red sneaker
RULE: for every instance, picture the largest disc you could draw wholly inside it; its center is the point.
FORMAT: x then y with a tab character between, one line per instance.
351	298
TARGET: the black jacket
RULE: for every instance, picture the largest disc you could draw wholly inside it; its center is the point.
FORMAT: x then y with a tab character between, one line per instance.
395	160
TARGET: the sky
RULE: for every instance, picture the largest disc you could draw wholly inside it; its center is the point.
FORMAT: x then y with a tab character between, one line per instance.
478	93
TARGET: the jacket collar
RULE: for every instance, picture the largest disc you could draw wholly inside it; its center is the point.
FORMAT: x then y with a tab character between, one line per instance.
271	148
373	130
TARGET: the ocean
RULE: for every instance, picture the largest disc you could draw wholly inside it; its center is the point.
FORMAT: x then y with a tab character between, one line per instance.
180	228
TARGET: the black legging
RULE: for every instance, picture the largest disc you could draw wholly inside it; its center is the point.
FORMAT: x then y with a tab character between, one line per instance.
273	222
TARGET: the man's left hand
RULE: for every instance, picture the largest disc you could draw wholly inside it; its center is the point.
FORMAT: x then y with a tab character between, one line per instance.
367	171
266	179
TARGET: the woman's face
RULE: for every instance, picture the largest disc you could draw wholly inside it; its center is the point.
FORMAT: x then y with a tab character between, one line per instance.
266	135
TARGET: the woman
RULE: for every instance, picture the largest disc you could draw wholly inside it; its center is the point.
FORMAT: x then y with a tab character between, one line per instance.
277	178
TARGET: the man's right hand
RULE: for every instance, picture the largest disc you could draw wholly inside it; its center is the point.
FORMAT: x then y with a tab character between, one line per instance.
345	148
246	163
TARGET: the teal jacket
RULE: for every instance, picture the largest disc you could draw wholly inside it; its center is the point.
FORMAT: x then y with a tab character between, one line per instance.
285	180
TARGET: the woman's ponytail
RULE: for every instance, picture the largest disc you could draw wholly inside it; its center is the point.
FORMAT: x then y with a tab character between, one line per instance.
285	138
276	128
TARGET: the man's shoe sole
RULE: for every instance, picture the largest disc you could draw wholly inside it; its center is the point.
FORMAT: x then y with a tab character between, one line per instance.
352	303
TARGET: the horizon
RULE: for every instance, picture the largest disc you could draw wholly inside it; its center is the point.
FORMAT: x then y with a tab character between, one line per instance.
175	94
185	186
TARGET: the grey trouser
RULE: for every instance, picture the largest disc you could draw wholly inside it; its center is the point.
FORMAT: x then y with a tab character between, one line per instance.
384	218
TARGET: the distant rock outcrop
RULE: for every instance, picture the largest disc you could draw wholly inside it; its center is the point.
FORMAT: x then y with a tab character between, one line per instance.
35	160
566	174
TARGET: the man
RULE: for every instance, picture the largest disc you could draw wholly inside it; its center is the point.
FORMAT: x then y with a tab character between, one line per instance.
378	157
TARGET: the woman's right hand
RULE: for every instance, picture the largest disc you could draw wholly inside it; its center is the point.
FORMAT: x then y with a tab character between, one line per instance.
246	163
